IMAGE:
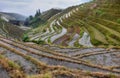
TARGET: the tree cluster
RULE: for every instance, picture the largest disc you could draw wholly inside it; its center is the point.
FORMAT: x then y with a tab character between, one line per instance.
34	18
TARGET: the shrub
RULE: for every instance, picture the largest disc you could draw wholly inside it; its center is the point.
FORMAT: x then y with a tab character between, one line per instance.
12	64
100	12
49	41
96	42
76	44
118	20
44	30
38	42
25	38
81	32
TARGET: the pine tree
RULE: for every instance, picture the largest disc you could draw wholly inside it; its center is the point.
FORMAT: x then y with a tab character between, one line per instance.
30	17
38	13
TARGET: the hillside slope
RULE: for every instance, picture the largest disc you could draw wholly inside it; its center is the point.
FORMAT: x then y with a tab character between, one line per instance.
42	18
10	30
90	24
95	23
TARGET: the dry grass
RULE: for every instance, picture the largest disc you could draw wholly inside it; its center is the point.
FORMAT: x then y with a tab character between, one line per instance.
95	53
53	71
57	58
13	69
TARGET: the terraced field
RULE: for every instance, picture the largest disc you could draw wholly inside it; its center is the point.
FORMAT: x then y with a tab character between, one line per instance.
23	60
73	45
10	30
95	22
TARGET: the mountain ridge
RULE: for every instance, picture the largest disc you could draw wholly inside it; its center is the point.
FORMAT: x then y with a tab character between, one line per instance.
13	16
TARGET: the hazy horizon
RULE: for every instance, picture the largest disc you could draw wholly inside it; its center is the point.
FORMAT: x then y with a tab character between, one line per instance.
29	7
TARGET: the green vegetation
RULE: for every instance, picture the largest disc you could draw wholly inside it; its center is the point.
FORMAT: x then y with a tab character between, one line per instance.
118	20
112	76
38	41
47	75
99	12
95	17
45	60
41	18
12	64
25	38
76	44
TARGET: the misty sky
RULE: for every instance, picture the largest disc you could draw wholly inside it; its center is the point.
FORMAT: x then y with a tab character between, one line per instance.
28	7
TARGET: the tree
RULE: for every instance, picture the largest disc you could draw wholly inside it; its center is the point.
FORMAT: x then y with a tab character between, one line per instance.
38	13
30	17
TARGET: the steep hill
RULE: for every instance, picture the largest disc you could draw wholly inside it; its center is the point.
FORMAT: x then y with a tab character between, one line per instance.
91	24
11	31
42	18
49	13
96	23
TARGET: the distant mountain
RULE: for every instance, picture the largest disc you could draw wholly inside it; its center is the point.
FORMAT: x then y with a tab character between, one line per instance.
12	16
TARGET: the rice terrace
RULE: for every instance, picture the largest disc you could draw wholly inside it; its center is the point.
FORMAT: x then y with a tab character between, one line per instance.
72	41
